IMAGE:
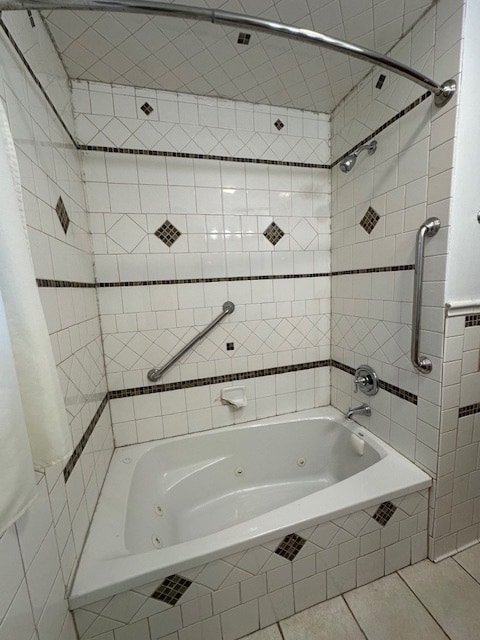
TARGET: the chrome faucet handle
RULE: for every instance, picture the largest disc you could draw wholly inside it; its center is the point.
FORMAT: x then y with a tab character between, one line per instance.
361	381
366	380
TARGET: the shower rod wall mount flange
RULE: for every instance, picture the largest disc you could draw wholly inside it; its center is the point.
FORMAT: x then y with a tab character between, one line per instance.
441	92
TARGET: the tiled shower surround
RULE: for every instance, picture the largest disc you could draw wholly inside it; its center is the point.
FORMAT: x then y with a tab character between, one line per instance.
232	597
220	173
39	554
175	237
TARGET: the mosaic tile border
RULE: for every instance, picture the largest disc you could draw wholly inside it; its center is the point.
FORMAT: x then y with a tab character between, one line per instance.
384	126
77	452
386	386
199	156
229	377
472	320
42	282
469	410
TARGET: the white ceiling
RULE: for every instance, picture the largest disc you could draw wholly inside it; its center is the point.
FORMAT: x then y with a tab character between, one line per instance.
205	59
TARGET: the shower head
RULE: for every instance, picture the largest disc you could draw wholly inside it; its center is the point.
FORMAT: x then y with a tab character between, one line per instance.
349	161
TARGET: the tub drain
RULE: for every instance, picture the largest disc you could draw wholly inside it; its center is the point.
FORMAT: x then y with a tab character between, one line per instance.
157	542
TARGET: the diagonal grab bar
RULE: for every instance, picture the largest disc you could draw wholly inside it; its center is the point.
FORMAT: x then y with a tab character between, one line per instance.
154	374
428	228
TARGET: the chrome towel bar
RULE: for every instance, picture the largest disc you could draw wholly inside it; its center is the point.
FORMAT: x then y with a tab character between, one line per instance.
429	228
154	374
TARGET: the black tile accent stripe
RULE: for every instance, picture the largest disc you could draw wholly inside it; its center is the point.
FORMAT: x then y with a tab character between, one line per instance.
77	452
472	320
384	512
386	124
290	546
228	377
42	282
354	272
200	156
171	589
386	386
469	410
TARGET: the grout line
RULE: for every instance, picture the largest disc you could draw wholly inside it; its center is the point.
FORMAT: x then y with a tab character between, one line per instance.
364	634
280	630
421	602
464	568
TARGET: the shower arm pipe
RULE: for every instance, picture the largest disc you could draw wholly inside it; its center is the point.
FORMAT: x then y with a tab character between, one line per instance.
442	92
154	374
429	228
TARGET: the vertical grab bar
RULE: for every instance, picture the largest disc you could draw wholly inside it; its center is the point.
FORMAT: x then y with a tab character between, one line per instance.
155	374
429	228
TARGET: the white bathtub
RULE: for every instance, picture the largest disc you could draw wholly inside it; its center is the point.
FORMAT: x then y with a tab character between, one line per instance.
203	496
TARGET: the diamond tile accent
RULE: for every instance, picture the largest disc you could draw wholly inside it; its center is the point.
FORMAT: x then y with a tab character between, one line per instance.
290	546
369	220
62	214
168	233
279	124
384	512
230	346
381	79
244	38
273	233
171	589
472	320
146	108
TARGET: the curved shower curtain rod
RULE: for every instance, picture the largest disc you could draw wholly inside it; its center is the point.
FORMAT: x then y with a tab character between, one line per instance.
442	92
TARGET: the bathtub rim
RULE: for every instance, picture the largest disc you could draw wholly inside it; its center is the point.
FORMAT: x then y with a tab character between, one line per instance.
113	574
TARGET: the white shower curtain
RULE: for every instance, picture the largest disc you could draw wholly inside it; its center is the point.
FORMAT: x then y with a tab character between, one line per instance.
41	395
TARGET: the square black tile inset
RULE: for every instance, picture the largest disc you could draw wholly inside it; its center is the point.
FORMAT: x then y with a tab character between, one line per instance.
146	108
168	233
381	79
472	320
230	346
279	124
369	220
290	546
62	214
384	512
243	38
171	589
273	233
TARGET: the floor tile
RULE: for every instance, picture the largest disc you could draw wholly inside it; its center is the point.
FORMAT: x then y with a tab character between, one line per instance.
269	633
330	620
450	594
470	561
387	608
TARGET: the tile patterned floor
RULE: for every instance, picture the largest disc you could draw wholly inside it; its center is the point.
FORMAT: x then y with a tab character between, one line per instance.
428	601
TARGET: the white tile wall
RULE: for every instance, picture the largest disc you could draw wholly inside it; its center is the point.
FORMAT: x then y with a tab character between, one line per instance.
111	115
39	554
406	181
249	590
